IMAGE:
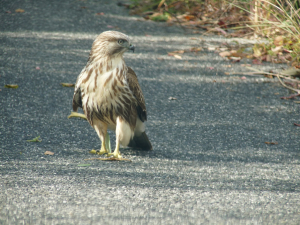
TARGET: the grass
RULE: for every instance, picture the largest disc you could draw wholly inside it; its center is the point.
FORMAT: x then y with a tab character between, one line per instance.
276	20
272	19
279	21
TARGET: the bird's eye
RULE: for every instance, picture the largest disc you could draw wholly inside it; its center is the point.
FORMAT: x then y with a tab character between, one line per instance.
120	41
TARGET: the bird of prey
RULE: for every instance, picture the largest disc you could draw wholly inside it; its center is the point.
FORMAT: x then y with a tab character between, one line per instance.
109	93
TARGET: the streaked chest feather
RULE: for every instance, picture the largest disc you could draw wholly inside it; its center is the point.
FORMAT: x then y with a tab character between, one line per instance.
106	94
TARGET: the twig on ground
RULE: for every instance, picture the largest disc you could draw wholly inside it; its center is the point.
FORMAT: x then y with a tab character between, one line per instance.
290	97
284	85
278	75
183	28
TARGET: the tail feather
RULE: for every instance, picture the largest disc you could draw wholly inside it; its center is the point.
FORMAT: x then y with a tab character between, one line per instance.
141	142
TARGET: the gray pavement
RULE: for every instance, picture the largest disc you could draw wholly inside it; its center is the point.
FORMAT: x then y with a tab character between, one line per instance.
209	164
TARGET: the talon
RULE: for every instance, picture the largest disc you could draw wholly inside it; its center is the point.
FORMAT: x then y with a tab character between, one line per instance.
101	152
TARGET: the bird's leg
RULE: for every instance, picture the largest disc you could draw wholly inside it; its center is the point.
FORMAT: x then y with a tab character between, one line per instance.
123	136
102	133
121	133
103	149
116	153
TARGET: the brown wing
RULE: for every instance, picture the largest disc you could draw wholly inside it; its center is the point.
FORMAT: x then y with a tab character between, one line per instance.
77	100
138	94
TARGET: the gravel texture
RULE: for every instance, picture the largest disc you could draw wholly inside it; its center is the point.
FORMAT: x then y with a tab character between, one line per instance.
209	164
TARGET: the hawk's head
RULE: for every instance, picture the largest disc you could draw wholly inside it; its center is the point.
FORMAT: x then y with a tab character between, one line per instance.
111	44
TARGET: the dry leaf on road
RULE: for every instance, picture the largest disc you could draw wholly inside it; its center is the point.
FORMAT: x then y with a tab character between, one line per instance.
177	56
11	86
19	10
271	143
225	54
176	52
49	153
67	84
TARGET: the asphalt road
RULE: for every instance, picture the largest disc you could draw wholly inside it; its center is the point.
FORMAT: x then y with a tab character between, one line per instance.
210	163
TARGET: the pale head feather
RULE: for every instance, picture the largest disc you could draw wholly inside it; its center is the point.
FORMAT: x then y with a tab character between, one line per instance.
106	45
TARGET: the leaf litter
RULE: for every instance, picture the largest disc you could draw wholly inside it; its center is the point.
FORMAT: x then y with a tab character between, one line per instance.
49	153
36	139
15	86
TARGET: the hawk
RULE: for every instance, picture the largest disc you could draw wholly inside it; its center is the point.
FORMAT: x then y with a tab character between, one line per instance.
109	93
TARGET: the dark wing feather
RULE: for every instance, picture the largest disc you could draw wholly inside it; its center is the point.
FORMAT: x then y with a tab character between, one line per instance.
138	94
141	142
77	100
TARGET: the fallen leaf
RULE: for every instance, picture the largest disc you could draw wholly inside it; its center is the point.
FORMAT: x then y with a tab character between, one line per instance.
8	12
100	14
189	17
256	61
235	59
83	165
290	97
172	98
271	143
268	75
221	30
291	72
287	51
225	54
67	84
297	124
177	56
235	53
195	49
243	78
257	52
19	10
278	41
277	49
49	153
110	26
176	52
83	7
11	86
297	66
36	139
222	24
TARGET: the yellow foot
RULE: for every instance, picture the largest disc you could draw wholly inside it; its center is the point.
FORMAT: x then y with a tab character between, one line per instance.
115	154
109	159
76	114
114	159
101	152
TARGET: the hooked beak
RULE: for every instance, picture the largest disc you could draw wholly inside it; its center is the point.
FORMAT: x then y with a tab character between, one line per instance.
131	48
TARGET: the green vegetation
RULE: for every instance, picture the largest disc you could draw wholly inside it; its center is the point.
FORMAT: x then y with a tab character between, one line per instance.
276	20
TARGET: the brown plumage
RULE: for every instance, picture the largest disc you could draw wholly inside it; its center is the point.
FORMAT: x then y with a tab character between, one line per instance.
110	95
